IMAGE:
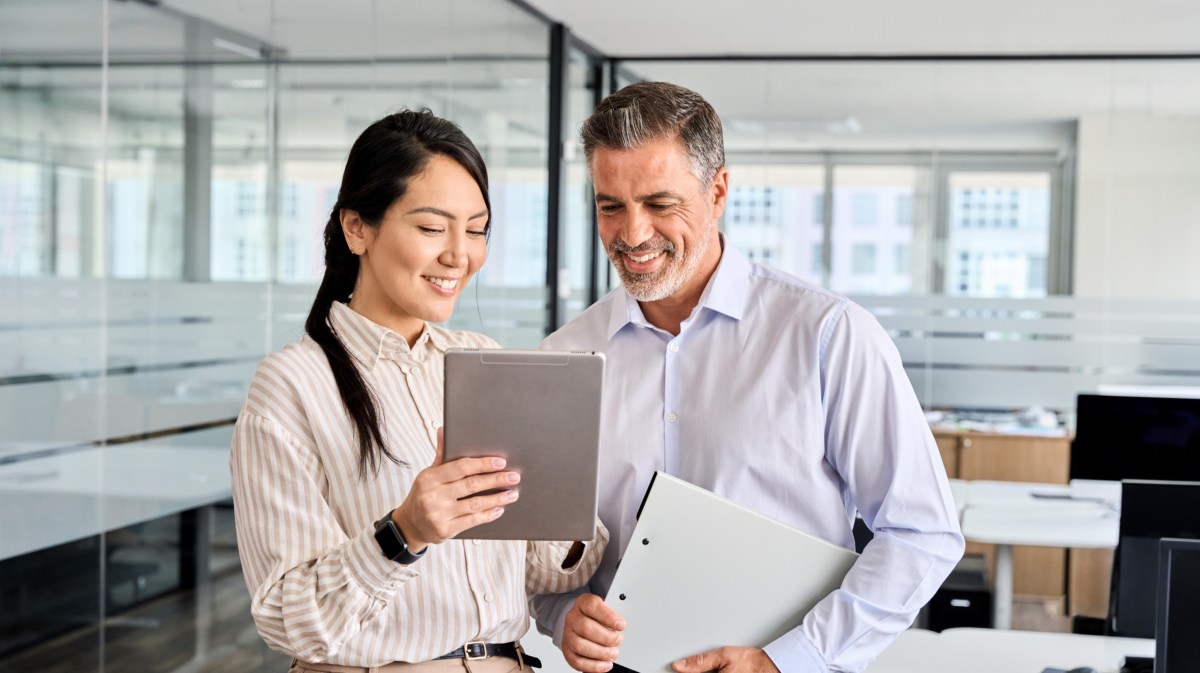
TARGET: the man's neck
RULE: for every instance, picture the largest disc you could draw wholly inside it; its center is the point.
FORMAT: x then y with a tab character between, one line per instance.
668	314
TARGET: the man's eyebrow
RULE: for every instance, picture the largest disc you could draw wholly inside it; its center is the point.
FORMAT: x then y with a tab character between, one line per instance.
664	194
606	197
442	213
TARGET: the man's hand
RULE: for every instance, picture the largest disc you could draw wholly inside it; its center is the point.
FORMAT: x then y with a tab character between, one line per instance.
727	660
591	633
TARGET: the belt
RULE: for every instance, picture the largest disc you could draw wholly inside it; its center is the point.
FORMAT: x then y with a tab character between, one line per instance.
478	650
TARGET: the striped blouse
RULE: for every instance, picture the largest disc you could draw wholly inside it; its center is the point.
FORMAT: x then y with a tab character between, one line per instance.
321	589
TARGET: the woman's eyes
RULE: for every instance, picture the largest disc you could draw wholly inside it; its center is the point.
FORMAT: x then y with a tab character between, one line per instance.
477	233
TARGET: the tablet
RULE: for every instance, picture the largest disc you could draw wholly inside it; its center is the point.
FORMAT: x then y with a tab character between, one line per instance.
539	410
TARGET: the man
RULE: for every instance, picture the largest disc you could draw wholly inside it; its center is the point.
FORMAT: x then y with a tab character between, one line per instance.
774	393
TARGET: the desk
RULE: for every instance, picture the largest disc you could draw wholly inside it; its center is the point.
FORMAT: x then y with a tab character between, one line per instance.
991	651
1007	514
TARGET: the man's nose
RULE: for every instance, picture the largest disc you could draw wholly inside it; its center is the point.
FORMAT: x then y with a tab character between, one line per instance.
638	228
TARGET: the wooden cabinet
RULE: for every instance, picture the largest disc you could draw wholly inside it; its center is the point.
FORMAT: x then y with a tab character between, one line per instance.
1037	571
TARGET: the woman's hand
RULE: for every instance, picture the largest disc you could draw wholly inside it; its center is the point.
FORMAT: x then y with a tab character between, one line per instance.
445	501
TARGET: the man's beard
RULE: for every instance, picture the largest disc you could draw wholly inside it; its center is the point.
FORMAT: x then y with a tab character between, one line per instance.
675	271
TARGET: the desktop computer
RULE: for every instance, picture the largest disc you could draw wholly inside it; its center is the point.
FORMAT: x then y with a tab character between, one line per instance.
1178	606
1121	437
1150	511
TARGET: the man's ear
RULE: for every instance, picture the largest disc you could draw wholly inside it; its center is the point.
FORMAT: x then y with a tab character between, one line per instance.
719	192
354	229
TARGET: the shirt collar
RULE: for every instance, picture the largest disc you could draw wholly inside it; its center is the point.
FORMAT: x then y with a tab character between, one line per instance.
368	341
726	292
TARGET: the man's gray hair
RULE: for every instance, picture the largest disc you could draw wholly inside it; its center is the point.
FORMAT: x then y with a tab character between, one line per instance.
651	110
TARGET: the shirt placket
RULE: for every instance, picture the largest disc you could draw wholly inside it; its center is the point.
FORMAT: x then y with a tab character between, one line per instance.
672	413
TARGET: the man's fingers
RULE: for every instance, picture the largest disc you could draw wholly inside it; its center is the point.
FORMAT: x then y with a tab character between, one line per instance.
440	455
595	607
700	663
583	646
585	665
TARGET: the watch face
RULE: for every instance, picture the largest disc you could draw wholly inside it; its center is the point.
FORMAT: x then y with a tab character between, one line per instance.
389	539
392	544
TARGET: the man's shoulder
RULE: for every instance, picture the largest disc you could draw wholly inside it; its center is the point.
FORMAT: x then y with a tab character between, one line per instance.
586	331
794	291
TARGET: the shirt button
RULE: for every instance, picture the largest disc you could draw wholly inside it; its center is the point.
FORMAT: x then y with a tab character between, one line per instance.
671	417
433	425
476	542
673	347
488	597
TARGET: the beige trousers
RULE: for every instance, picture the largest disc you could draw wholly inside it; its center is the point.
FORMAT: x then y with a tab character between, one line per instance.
486	665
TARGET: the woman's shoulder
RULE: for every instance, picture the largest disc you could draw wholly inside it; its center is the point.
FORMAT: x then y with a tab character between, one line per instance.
289	374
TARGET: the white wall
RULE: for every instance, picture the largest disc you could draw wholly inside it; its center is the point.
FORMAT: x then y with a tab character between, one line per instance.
1137	222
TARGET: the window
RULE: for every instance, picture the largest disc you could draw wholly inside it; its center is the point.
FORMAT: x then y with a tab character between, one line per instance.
818	212
1018	223
904	210
902	260
863	259
866	207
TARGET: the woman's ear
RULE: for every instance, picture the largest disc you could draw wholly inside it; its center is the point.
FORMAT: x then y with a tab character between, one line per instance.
354	230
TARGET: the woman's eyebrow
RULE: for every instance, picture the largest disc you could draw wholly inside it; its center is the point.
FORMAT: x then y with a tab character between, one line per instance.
442	213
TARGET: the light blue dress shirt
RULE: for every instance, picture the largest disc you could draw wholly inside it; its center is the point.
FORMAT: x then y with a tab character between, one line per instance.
789	400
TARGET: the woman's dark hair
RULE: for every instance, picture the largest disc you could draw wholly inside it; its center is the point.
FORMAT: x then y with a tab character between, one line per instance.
385	157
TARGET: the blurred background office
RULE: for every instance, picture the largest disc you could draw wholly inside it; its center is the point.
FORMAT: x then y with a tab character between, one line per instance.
1012	188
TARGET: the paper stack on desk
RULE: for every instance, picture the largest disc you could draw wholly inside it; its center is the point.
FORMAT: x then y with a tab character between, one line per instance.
701	572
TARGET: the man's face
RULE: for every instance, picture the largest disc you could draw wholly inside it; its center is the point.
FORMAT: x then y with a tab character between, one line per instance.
656	221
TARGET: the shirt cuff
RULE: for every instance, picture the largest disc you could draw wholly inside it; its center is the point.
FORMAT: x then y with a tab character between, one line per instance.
793	652
376	573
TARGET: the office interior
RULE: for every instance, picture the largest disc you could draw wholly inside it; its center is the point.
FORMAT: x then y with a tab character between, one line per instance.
1014	192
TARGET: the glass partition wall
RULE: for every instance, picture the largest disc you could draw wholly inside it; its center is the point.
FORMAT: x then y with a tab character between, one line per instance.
165	174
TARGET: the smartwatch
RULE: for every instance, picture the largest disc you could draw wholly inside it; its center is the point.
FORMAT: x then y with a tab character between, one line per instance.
391	542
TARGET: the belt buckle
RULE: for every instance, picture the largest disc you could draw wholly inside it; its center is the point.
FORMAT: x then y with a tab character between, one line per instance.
475	650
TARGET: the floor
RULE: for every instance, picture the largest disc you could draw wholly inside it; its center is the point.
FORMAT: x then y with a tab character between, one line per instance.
195	631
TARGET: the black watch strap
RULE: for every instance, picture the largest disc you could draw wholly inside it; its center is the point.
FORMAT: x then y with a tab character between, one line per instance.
392	544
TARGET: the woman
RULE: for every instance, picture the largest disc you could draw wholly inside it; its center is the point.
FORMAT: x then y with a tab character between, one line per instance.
347	543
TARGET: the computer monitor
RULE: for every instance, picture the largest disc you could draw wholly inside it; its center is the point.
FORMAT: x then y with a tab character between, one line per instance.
1178	628
1150	511
1122	437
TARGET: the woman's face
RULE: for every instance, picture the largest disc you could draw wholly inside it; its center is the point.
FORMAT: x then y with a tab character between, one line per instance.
431	241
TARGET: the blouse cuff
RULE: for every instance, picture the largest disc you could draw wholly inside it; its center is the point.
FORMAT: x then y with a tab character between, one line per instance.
379	575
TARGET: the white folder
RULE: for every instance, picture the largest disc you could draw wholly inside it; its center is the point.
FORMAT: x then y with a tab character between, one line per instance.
701	572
